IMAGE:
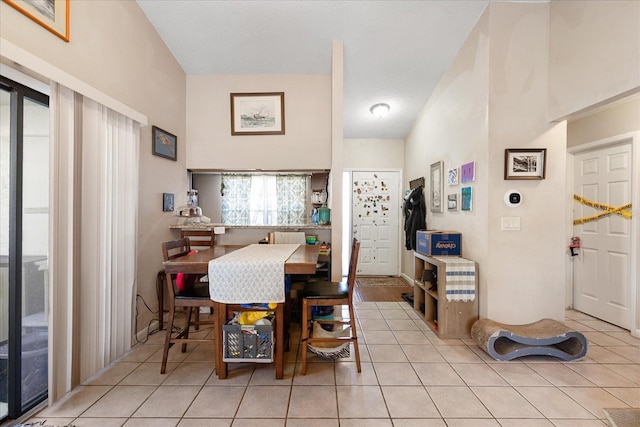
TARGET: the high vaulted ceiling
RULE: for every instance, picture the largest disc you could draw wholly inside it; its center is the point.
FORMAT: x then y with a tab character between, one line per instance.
394	51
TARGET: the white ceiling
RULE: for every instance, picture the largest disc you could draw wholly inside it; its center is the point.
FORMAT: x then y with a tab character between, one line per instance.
394	51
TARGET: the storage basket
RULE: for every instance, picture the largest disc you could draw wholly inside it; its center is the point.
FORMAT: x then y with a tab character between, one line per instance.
247	343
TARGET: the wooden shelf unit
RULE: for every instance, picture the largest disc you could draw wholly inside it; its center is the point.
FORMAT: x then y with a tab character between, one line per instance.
448	319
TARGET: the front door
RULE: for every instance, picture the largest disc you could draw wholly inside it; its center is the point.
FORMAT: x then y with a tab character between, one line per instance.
375	221
602	270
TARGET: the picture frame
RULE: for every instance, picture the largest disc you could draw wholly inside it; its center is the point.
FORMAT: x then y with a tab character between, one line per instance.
257	113
167	202
453	176
466	198
525	163
452	202
468	172
164	144
53	15
436	201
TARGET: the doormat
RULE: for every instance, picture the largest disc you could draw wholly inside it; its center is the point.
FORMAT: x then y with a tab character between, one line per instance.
623	417
367	281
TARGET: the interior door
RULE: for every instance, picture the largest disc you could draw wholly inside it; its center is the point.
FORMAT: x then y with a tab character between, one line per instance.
375	221
602	271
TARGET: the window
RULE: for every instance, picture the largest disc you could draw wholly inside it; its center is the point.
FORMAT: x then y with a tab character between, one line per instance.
264	199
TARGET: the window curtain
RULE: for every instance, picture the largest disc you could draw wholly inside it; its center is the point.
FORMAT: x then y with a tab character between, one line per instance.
292	198
93	244
236	193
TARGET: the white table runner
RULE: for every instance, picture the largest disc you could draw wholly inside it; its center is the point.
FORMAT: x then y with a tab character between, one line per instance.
460	281
253	274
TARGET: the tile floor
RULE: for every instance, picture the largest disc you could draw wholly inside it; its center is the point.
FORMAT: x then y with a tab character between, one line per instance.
409	378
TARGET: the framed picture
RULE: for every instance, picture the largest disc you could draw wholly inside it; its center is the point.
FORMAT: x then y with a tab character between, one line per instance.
452	176
523	163
467	198
437	181
164	144
257	113
468	172
452	202
167	202
50	14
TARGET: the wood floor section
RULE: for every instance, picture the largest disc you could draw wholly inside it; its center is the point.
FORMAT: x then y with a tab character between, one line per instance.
380	293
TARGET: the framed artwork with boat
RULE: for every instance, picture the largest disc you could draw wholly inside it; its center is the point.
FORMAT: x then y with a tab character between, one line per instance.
257	113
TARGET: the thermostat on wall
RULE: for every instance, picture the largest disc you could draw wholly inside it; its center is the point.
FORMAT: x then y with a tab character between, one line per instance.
512	198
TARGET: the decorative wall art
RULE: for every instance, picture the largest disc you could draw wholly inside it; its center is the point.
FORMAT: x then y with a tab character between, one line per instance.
522	163
452	202
452	176
437	186
164	144
468	172
257	113
167	202
50	14
467	198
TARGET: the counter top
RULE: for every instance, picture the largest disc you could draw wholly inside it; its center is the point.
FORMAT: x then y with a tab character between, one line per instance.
208	226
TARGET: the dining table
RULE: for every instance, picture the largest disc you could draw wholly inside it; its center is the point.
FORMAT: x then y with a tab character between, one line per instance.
303	260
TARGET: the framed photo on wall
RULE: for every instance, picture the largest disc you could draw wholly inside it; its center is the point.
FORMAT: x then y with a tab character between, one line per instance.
257	113
437	187
52	15
164	144
524	163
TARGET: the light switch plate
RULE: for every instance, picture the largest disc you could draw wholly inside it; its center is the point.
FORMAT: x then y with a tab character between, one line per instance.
510	223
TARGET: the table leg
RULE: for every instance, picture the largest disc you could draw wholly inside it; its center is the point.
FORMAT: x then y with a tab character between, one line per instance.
280	341
221	366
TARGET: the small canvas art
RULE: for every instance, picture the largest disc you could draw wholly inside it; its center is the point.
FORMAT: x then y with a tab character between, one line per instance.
452	202
468	172
452	176
467	198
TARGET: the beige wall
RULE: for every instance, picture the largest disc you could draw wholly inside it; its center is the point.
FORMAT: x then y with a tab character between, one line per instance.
494	97
306	143
594	53
114	49
373	154
620	118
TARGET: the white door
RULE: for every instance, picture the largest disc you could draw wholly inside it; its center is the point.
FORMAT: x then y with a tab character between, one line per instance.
376	221
602	270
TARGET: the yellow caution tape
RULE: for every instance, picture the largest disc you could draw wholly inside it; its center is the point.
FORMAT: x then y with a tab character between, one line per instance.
623	211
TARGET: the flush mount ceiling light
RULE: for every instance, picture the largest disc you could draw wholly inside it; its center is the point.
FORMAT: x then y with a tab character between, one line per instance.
380	110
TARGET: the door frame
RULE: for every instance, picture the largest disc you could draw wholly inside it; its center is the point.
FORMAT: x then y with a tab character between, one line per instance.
634	139
347	211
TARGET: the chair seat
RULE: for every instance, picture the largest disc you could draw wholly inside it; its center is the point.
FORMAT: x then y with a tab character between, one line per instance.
197	291
323	289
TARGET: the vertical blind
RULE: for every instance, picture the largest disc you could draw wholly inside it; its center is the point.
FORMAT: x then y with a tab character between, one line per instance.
94	215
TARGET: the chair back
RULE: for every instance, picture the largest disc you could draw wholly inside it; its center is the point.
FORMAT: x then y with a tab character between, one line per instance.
170	250
284	237
199	239
353	264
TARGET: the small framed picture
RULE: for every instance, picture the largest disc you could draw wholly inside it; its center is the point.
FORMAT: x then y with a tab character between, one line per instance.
52	15
468	172
257	113
167	202
452	202
467	198
525	163
164	144
452	176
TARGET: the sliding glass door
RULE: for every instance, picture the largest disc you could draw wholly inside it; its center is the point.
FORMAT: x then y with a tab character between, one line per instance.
24	237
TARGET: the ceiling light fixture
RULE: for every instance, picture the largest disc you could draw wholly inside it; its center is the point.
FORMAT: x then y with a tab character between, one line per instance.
380	110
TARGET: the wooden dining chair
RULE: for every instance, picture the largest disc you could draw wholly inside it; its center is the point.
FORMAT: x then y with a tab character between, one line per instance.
324	294
198	238
191	298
